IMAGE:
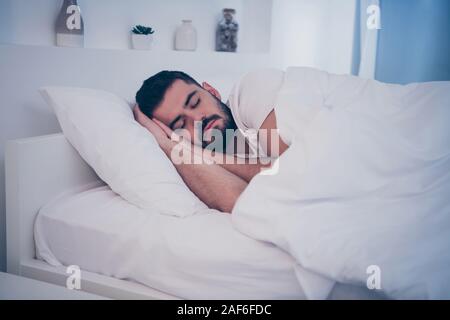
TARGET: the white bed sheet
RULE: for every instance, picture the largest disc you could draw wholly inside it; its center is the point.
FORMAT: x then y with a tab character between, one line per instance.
198	257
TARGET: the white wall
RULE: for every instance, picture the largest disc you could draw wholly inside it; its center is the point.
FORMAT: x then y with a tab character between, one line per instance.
108	22
316	33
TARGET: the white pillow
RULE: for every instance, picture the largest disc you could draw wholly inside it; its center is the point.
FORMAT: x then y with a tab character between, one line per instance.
101	127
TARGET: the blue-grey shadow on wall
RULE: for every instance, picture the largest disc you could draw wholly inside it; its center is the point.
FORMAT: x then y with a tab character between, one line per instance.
413	43
6	30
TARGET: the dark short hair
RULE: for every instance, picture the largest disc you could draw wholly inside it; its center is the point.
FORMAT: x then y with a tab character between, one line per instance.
152	92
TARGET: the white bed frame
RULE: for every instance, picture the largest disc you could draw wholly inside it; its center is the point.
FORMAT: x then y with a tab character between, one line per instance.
37	170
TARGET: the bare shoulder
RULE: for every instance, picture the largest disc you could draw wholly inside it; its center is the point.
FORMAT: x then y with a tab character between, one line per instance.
268	135
270	122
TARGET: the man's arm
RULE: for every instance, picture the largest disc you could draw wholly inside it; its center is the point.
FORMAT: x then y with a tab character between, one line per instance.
244	168
216	187
274	147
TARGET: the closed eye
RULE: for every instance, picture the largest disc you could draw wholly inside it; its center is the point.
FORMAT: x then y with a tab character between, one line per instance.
180	124
197	103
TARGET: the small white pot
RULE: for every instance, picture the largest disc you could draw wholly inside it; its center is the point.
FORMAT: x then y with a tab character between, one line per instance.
141	41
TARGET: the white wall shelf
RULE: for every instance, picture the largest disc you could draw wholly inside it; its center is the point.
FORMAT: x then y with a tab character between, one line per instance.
151	52
108	22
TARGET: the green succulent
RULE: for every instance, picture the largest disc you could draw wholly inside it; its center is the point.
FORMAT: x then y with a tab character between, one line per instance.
142	30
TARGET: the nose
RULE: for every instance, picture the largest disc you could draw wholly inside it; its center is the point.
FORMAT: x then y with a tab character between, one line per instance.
195	115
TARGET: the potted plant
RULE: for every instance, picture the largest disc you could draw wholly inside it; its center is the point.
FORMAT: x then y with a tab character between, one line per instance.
142	37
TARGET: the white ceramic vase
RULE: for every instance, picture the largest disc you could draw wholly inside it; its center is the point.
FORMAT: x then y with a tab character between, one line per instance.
186	37
141	41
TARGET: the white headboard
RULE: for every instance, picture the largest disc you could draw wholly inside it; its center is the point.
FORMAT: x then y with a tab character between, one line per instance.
37	170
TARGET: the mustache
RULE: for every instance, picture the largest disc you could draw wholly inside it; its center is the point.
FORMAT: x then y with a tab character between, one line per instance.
208	120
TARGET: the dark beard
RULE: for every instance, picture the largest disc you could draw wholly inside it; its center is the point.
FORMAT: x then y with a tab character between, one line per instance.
229	120
229	124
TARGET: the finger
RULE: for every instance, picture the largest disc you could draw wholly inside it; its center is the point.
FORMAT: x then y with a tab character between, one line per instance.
151	126
141	117
162	125
137	113
165	128
138	110
174	136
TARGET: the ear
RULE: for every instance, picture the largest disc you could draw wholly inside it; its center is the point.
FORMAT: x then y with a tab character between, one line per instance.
211	90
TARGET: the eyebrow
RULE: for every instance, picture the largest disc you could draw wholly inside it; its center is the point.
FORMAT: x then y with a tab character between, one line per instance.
189	97
186	103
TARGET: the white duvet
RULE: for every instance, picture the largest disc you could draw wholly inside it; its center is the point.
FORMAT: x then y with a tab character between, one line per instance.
362	195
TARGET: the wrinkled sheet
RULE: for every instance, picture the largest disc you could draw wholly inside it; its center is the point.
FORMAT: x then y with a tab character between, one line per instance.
362	195
198	257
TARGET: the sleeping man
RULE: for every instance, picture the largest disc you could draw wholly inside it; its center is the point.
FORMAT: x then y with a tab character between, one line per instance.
304	137
234	141
359	180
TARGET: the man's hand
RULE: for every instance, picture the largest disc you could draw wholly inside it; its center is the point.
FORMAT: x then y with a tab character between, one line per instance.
214	185
161	132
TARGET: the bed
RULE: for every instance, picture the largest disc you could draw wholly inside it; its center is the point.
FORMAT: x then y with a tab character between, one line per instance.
42	169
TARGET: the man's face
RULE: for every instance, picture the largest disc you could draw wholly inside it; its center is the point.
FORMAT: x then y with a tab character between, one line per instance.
196	110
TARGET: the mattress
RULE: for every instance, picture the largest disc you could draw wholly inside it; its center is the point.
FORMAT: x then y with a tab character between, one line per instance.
198	257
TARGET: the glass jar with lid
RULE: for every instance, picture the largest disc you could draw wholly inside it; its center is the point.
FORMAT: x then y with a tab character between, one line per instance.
227	32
